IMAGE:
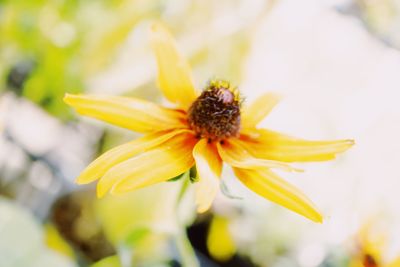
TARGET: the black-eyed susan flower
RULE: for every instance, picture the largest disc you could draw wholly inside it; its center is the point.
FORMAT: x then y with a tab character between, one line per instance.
204	130
371	244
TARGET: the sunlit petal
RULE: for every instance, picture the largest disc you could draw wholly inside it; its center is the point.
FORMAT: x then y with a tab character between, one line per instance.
395	263
259	109
270	186
163	162
235	154
174	74
209	166
271	145
121	153
131	113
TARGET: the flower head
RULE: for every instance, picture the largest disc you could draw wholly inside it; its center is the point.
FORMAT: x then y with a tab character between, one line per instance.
370	248
215	114
204	130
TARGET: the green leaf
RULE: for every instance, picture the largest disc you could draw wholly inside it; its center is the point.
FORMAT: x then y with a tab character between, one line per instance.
176	178
193	175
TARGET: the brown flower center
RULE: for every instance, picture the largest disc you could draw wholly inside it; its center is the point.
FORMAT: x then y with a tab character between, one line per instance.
369	261
216	112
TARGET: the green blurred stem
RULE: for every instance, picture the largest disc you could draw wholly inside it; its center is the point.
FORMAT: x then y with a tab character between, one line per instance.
186	251
185	184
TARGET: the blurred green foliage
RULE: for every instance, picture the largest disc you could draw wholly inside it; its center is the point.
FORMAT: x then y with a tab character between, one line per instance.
49	47
46	35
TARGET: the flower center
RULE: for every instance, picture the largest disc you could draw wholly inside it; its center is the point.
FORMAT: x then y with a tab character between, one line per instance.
369	261
216	112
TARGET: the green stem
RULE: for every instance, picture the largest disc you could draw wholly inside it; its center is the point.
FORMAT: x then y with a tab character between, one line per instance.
185	184
186	251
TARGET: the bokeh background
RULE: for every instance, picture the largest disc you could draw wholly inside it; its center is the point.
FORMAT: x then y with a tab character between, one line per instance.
337	63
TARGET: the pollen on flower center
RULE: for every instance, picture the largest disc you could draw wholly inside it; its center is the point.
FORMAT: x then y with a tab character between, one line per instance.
215	114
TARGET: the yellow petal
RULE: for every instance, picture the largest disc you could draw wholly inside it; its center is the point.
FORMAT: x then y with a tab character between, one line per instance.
235	154
276	146
174	74
209	166
270	186
131	113
259	109
56	242
163	162
121	153
395	263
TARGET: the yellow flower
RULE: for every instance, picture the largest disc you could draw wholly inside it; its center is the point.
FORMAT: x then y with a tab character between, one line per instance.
370	248
204	130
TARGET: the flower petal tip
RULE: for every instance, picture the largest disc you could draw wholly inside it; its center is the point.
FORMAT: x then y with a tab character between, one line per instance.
316	216
313	215
79	181
101	191
350	142
82	179
66	97
347	144
319	219
202	209
69	98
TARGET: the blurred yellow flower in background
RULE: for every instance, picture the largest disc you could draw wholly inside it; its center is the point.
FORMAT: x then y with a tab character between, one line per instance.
204	130
220	242
370	248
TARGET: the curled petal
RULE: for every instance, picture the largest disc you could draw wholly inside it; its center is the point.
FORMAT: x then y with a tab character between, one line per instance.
131	113
209	166
123	152
174	74
259	109
271	145
235	154
159	164
270	186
